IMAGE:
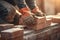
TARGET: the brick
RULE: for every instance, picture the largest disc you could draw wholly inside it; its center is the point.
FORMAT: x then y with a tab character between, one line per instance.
48	34
48	22
5	26
12	34
19	26
40	23
27	31
16	38
39	26
54	36
30	36
56	19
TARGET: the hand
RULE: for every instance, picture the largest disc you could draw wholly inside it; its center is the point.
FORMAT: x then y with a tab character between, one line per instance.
27	20
39	13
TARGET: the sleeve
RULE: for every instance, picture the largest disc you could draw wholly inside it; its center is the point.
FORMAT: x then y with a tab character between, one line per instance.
2	21
11	2
31	4
3	11
20	3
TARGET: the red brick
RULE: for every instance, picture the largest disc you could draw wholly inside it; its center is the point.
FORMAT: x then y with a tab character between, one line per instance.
19	26
41	22
56	19
48	22
10	34
5	26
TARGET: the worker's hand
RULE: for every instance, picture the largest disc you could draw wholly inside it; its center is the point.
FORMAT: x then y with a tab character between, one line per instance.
27	19
39	13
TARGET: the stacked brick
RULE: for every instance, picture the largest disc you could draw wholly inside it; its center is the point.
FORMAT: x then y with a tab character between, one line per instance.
12	34
5	26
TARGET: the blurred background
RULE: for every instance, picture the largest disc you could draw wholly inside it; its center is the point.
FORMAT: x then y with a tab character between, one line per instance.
49	7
